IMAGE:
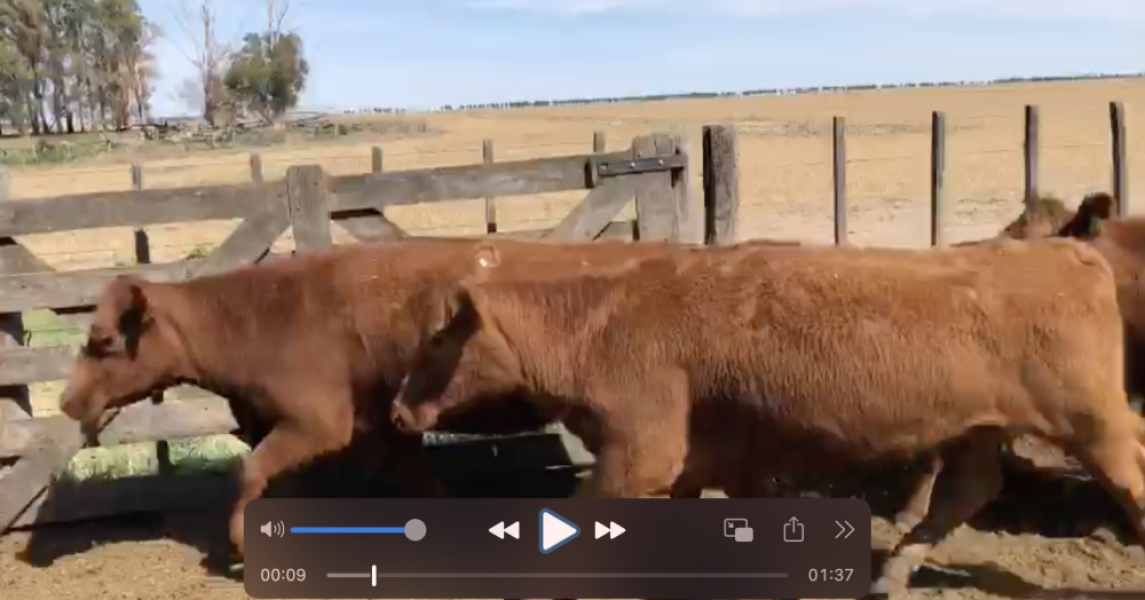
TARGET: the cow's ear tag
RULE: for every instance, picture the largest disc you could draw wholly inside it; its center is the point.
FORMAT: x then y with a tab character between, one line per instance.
488	257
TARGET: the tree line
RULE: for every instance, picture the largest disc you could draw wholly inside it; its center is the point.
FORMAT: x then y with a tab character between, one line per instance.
68	66
758	92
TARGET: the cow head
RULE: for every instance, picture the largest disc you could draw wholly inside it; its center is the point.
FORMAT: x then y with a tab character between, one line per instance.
1050	218
462	358
1093	211
127	357
1045	218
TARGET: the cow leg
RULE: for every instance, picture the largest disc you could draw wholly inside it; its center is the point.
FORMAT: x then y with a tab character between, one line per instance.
918	503
633	465
971	477
687	487
643	445
1119	463
288	446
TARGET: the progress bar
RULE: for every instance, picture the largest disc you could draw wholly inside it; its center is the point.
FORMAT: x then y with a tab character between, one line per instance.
373	575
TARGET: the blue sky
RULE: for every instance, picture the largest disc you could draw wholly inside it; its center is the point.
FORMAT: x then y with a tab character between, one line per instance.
424	53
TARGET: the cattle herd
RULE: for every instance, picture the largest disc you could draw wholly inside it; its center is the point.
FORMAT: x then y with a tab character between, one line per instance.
681	367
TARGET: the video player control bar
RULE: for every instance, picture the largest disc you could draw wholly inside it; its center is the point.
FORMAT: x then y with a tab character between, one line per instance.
512	548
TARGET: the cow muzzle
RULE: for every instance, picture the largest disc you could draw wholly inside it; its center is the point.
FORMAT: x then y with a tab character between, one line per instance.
72	405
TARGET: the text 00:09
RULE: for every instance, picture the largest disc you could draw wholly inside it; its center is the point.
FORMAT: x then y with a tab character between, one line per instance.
288	575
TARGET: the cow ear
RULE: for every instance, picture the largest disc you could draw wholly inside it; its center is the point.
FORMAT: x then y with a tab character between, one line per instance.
131	303
1101	205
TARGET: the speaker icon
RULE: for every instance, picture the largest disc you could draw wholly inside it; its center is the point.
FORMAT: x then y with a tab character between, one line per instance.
272	529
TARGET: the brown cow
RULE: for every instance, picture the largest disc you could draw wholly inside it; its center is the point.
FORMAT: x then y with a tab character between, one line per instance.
313	346
1049	217
806	358
1122	243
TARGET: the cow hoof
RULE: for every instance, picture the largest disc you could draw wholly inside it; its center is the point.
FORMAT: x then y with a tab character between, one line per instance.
905	521
880	589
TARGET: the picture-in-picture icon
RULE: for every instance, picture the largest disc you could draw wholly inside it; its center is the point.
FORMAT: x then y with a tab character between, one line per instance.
738	529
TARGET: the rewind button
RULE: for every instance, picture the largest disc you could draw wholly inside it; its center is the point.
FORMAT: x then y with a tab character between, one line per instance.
500	530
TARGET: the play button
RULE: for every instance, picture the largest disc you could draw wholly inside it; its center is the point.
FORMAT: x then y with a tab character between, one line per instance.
556	531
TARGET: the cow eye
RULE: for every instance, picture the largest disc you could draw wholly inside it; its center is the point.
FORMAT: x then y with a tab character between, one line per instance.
99	346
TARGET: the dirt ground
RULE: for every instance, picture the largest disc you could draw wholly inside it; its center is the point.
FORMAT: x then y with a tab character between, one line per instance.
149	557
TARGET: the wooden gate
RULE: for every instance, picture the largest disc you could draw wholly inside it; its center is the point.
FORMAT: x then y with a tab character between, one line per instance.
653	172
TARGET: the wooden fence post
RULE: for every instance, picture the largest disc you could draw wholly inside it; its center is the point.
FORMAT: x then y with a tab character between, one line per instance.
142	243
937	174
839	176
1030	146
15	401
256	168
1120	169
691	230
308	195
490	202
376	159
657	204
598	141
143	257
721	184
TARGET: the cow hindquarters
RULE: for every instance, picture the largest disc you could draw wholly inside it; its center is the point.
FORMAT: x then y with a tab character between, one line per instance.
971	476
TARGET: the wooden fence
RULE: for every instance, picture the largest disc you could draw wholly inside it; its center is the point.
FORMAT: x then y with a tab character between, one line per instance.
1119	183
653	171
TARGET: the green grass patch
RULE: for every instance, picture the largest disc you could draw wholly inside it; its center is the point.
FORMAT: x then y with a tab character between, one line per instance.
43	328
189	456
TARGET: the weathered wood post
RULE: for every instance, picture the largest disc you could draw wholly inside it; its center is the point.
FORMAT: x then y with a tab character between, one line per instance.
657	203
490	202
256	168
721	184
15	401
1118	147
143	257
839	177
1030	147
376	155
937	176
308	195
690	214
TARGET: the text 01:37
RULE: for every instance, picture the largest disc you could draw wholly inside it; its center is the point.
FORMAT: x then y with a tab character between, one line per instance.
834	575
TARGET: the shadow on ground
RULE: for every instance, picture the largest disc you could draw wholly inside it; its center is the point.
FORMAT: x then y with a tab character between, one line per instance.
198	505
1050	507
